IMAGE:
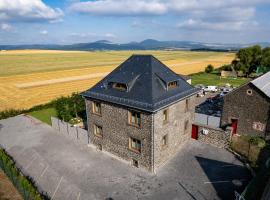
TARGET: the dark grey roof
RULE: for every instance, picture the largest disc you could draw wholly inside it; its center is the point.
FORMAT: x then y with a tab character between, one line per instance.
146	79
263	83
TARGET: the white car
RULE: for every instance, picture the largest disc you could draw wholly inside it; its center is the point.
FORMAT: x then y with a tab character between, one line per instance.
211	88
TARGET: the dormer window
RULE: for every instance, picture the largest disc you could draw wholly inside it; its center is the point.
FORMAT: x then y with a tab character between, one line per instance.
119	86
172	84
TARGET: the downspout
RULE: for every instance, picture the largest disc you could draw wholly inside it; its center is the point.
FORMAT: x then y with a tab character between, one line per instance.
153	143
87	118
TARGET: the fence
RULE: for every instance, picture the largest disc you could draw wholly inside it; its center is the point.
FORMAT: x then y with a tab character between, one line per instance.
75	133
208	120
24	185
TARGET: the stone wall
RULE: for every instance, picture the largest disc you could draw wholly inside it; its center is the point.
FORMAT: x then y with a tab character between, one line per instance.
75	133
216	136
174	128
117	131
248	109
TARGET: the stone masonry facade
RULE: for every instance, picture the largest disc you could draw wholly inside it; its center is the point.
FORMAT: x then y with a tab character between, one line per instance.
217	137
117	131
251	108
177	128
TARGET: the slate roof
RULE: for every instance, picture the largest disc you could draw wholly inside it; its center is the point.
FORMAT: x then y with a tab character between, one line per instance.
263	83
185	77
146	79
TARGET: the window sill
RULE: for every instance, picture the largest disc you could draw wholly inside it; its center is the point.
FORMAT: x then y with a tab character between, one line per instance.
99	136
165	122
134	125
134	150
98	114
163	147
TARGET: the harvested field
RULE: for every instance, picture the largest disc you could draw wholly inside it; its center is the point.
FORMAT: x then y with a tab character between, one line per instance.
33	77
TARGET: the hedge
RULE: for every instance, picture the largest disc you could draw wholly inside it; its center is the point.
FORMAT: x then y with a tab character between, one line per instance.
24	185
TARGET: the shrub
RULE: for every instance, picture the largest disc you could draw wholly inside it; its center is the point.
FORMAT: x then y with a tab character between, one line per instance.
70	107
24	184
209	68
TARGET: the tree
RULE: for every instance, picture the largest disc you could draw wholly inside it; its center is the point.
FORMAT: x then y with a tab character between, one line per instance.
248	59
70	107
209	68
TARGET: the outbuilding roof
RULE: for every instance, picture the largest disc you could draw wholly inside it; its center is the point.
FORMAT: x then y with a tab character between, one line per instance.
263	83
147	83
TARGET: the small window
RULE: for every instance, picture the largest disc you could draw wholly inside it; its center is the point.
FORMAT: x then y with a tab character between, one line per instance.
134	118
164	141
187	105
120	86
97	108
135	163
135	145
186	125
249	92
165	115
98	130
172	84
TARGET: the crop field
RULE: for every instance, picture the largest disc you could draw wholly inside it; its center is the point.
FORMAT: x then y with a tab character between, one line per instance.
33	77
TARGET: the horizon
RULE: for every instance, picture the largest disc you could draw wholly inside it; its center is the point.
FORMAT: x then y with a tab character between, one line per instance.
74	21
130	42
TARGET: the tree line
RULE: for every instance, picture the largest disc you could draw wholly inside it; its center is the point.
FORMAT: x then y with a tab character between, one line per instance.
248	60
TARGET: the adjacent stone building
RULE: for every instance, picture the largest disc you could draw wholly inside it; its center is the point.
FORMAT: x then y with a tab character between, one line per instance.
247	109
141	112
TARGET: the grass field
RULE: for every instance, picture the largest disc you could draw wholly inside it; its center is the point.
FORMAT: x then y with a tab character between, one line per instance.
44	115
32	77
214	79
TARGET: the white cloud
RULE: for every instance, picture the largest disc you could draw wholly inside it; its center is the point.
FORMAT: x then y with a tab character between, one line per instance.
28	10
157	7
119	7
214	15
192	24
110	35
5	27
44	32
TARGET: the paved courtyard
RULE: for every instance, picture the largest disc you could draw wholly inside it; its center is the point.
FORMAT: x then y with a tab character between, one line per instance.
68	171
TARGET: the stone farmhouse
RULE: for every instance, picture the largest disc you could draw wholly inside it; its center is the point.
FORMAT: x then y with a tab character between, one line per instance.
141	112
247	108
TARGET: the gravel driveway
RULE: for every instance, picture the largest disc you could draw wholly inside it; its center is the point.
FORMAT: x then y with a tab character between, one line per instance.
66	170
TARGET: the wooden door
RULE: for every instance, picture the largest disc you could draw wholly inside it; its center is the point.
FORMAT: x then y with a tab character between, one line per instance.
234	125
194	132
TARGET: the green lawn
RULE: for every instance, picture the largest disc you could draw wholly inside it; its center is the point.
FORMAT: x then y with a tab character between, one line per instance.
214	79
44	115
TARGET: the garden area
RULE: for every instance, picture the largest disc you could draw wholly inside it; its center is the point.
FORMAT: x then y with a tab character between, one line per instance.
256	152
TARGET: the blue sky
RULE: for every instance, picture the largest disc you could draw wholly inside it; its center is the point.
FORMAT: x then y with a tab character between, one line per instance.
73	21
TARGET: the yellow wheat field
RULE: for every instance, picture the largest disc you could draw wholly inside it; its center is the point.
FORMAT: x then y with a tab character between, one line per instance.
21	91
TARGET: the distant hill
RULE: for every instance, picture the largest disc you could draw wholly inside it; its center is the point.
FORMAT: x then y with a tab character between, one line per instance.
148	44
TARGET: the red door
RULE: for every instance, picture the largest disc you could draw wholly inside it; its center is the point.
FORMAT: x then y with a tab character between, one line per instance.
194	133
234	125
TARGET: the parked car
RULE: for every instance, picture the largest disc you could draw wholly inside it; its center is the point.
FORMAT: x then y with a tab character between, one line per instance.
210	88
222	94
200	86
201	93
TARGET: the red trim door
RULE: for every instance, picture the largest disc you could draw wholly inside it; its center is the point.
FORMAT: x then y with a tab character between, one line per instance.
234	125
194	132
